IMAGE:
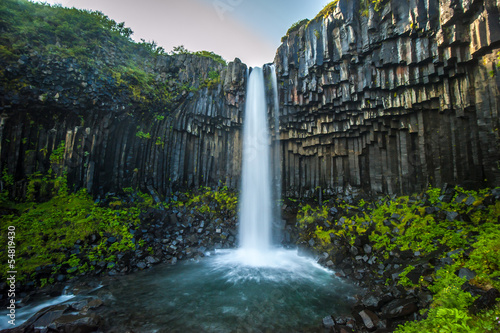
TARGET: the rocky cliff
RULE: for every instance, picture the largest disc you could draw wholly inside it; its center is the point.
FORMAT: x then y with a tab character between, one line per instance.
109	140
391	97
387	97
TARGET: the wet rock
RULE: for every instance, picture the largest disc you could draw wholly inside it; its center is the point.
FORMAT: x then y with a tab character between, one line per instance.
76	323
112	240
152	260
470	201
466	273
472	289
370	319
400	308
343	329
141	265
87	304
51	315
328	322
486	301
374	301
395	216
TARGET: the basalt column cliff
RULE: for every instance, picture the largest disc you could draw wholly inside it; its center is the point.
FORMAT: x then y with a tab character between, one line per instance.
108	140
385	96
391	97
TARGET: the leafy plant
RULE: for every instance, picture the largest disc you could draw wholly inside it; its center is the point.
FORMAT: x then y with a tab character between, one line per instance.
57	155
142	135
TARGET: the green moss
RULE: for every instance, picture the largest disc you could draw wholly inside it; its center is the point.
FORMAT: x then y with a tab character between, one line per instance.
413	224
219	203
296	26
142	135
212	80
327	10
211	55
84	40
403	279
57	154
45	231
208	54
364	6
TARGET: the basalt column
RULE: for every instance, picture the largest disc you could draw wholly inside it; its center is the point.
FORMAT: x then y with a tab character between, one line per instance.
391	99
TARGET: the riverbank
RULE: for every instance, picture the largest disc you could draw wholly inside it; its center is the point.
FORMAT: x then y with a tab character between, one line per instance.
72	235
429	262
426	261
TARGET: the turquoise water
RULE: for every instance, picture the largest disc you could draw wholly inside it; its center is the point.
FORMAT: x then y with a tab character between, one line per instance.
223	294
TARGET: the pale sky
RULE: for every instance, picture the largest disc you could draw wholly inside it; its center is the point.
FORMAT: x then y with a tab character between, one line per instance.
248	29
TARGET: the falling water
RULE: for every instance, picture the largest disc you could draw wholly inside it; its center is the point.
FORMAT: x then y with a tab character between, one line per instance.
258	287
255	209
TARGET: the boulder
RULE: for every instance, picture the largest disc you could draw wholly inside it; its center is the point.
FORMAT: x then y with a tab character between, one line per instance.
400	308
76	323
370	319
50	315
328	322
486	301
466	273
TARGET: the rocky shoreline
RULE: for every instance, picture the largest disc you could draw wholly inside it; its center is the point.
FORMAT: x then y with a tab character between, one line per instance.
389	301
183	233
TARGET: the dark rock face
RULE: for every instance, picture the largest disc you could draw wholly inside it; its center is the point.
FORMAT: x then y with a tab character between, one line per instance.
393	101
113	142
400	308
389	102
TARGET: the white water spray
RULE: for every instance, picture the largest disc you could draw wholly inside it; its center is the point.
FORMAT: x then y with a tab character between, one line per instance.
256	201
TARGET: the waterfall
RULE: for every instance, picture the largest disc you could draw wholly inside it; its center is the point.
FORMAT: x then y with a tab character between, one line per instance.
256	200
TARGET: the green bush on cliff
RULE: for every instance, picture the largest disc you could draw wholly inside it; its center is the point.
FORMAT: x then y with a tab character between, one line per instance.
364	6
208	54
54	29
296	26
327	10
101	51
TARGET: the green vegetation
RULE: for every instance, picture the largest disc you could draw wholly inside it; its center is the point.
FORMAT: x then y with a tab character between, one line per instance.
211	203
466	223
57	155
142	135
327	10
95	47
296	26
59	232
365	5
67	32
45	231
212	80
208	54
